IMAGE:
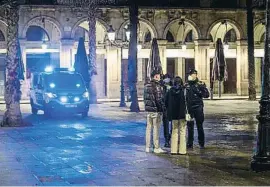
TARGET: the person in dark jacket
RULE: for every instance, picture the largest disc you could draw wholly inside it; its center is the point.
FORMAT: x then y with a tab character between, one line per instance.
176	106
195	92
166	83
155	107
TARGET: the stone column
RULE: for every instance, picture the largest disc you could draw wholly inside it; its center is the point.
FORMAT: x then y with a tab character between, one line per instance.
242	67
113	72
258	75
66	53
179	66
202	60
163	56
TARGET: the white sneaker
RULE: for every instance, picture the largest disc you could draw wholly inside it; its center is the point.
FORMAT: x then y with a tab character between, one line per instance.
159	150
147	150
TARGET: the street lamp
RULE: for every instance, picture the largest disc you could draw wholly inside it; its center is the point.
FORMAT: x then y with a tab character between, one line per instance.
261	159
123	44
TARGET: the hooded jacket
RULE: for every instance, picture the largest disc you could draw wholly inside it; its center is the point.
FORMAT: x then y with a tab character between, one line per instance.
153	97
175	103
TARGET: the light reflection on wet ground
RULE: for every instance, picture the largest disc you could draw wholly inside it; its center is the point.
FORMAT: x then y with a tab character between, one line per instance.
95	151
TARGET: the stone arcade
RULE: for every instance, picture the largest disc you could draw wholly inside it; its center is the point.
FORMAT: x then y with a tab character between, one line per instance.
60	27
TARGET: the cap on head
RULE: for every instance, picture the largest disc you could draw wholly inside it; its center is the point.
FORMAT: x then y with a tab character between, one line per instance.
193	71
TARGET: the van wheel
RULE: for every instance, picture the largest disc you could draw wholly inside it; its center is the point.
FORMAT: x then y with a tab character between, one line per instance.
33	109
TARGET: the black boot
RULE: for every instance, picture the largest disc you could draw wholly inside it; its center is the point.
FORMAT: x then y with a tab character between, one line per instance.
167	144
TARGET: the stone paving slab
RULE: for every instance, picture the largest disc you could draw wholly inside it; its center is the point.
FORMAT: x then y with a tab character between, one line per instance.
108	149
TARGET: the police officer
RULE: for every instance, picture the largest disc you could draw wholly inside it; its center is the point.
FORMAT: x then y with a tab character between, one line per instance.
195	92
166	83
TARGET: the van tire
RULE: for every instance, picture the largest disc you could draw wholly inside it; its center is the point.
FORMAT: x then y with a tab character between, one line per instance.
33	109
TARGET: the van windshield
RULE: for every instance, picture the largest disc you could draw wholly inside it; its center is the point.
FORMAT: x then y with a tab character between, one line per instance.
64	81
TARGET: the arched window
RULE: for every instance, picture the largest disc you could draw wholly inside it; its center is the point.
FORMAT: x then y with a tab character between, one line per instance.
147	37
2	37
211	38
170	37
263	37
81	33
36	33
189	37
230	36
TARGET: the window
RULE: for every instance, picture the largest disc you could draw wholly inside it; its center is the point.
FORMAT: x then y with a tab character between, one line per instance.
147	37
2	37
189	37
230	36
81	33
170	37
36	33
263	38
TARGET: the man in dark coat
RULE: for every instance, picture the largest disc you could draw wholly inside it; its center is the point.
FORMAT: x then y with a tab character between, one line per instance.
195	92
155	107
176	107
166	83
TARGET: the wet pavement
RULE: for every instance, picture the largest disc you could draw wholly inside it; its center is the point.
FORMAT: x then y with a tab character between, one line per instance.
108	149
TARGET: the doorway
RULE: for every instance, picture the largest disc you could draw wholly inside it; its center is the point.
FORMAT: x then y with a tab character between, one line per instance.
101	77
189	64
171	66
230	85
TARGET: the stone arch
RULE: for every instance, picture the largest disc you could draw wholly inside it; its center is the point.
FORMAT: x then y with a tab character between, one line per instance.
259	30
102	26
218	30
37	33
144	24
37	22
3	28
190	26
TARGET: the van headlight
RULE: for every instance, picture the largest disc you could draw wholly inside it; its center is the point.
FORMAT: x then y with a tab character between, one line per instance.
86	95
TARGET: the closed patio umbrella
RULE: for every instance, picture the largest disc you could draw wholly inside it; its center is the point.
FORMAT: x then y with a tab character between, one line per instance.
154	62
219	70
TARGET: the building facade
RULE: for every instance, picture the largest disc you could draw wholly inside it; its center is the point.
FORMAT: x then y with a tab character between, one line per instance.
60	27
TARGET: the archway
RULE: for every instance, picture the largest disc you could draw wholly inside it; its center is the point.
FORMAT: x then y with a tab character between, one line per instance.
50	25
229	32
81	29
184	32
43	36
220	28
36	33
146	31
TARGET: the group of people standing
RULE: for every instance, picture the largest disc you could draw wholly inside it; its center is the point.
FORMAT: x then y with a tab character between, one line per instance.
169	100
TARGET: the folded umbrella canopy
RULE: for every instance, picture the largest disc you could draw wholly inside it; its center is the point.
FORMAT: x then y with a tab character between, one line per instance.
219	71
154	62
81	62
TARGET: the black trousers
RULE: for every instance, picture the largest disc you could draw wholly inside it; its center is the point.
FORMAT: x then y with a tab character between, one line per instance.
166	126
198	115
